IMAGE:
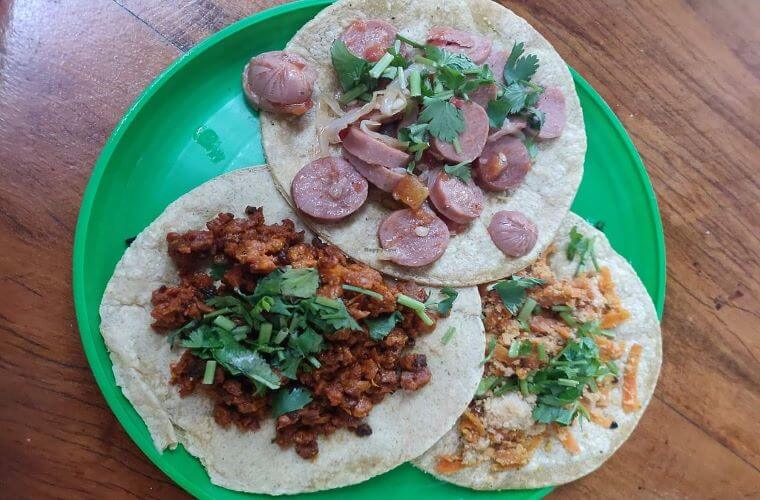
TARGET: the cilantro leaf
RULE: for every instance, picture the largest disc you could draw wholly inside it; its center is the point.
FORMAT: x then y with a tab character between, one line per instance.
512	291
217	271
451	60
309	342
239	360
489	352
202	338
461	171
582	247
285	401
350	69
445	121
514	97
530	145
519	67
301	283
379	328
497	112
545	414
445	305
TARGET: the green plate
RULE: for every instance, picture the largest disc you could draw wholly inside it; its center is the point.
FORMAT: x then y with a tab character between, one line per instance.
192	124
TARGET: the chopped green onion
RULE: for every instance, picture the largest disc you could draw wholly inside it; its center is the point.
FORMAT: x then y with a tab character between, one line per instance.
380	65
514	349
416	306
541	350
457	145
224	323
353	94
390	73
280	336
567	382
523	384
216	313
401	78
280	355
448	335
527	309
415	83
314	361
561	308
357	289
265	333
324	301
416	45
208	373
410	167
568	318
489	354
424	60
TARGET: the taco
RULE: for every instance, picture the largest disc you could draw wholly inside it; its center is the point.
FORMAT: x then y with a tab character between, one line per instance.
572	359
283	365
470	135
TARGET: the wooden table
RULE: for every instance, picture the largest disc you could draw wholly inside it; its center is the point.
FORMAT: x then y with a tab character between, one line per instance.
682	75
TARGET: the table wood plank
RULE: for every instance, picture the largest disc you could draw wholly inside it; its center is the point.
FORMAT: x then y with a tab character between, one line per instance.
682	75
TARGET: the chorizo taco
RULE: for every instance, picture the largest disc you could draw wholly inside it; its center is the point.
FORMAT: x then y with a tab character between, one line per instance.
279	362
470	135
573	355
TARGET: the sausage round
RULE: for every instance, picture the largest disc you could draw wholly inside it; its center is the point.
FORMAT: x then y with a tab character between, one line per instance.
460	202
373	151
483	94
369	38
475	47
497	59
503	165
413	238
471	140
384	178
280	82
513	233
328	189
552	103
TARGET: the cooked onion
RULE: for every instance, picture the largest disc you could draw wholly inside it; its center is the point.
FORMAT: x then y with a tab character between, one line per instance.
509	127
370	127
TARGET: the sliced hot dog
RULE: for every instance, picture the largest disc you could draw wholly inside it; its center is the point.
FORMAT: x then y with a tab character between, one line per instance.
483	94
413	237
460	202
384	178
552	103
472	140
373	151
513	233
280	82
503	165
369	38
476	47
328	189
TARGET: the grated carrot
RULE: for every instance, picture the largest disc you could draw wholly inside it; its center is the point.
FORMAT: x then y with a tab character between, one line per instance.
631	401
565	436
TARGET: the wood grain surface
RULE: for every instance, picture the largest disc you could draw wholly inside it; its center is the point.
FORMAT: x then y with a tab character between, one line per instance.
681	74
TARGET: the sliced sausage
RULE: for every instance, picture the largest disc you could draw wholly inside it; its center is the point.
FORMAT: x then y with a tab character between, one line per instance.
476	47
552	103
280	82
384	178
373	151
369	38
460	202
472	140
513	233
503	165
328	189
497	59
413	237
483	94
510	126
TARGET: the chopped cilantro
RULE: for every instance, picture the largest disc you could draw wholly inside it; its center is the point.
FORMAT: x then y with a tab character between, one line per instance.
380	327
462	171
582	247
285	401
497	112
444	305
530	145
512	291
448	335
489	352
350	69
445	121
518	66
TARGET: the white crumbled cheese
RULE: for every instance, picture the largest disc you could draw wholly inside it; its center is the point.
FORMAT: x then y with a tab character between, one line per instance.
510	411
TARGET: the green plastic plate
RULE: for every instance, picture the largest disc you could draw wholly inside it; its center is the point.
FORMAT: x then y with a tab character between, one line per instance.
192	124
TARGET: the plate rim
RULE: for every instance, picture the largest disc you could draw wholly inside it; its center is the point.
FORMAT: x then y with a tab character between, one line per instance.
88	339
